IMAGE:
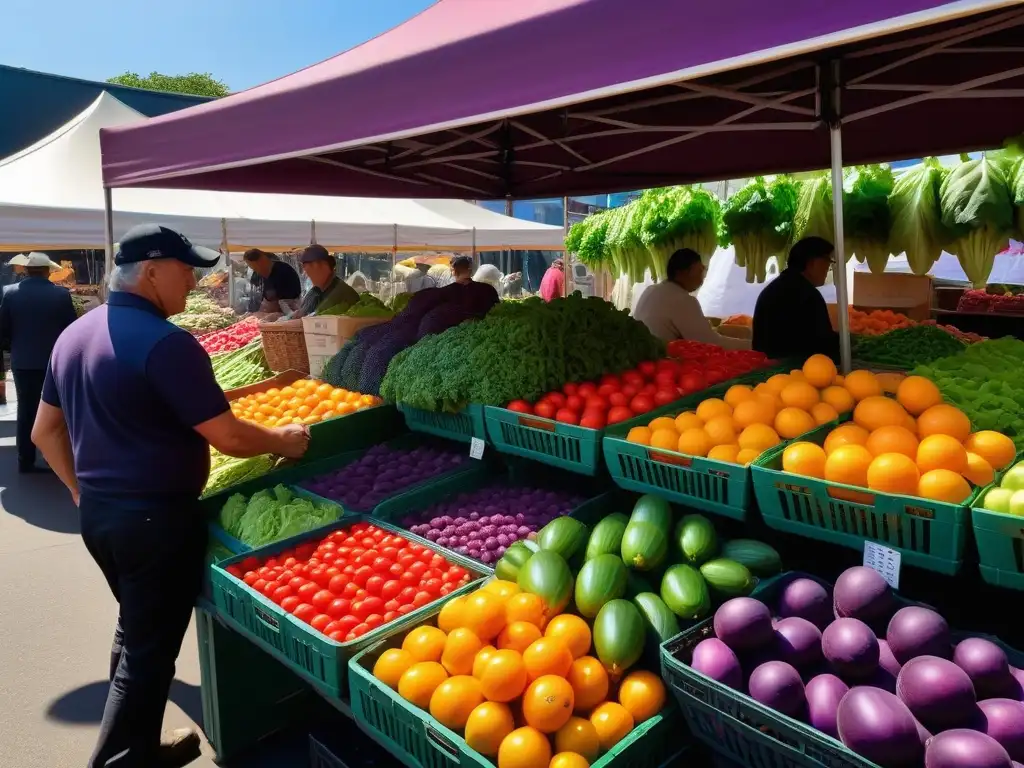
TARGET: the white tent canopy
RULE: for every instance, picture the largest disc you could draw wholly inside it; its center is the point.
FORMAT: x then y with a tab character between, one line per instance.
51	197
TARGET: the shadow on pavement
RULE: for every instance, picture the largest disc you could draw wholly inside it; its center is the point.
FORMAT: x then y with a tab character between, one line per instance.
84	705
38	499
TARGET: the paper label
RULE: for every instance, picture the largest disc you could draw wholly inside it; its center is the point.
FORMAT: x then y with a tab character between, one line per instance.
884	560
476	448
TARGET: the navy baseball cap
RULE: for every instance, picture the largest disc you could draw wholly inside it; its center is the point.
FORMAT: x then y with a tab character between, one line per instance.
313	253
151	241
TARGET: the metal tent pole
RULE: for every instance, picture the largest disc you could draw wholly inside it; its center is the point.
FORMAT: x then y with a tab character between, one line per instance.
108	236
473	250
567	273
227	261
839	270
312	232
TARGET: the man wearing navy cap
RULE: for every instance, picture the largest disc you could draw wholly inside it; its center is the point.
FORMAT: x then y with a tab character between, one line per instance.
129	410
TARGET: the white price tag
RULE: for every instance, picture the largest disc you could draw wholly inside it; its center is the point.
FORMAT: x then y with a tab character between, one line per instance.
884	560
476	448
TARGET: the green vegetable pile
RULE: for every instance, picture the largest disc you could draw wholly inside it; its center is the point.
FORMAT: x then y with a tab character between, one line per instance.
244	366
399	302
203	314
758	222
369	306
519	350
227	471
985	382
906	347
270	516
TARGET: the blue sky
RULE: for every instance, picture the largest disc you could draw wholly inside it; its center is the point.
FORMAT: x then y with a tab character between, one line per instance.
241	42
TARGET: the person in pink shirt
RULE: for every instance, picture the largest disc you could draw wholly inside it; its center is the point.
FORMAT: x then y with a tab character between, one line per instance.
552	285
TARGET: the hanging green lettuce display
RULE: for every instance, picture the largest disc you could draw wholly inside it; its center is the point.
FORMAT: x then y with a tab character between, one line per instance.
814	217
1017	180
758	221
866	217
622	240
916	228
977	209
680	217
591	247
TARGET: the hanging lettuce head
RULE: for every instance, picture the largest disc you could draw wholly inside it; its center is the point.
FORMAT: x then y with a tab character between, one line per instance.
680	217
757	221
914	206
977	209
628	254
590	248
866	216
813	217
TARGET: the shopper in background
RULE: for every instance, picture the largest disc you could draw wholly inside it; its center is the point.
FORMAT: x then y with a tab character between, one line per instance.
671	311
33	313
129	411
552	285
328	291
462	270
272	282
791	318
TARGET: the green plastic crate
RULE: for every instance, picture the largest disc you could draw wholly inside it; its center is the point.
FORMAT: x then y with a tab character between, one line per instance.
307	652
744	731
464	425
928	534
417	739
354	432
1000	539
566	446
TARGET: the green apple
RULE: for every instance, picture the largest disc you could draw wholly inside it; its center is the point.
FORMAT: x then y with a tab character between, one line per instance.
998	500
1017	503
1014	479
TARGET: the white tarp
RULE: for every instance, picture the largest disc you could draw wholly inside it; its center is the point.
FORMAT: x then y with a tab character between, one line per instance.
51	197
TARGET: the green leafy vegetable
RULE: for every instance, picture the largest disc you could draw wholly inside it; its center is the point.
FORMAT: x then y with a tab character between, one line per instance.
917	228
814	217
866	218
227	471
906	347
758	221
680	217
270	516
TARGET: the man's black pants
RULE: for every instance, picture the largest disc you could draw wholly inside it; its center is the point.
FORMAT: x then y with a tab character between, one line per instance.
29	384
152	553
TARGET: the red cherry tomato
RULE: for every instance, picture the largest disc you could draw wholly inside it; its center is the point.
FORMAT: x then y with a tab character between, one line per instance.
641	404
691	382
619	413
305	612
665	396
607	390
633	378
281	593
610	379
594	419
520	406
557	399
647	368
570	389
574	403
567	416
320	622
545	409
322	599
339	608
618	400
586	390
596	403
289	604
666	378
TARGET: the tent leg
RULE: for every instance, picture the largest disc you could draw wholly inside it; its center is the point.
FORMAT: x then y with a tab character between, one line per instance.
227	261
108	237
839	270
473	251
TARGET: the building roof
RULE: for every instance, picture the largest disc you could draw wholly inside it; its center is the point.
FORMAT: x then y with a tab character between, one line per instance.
43	102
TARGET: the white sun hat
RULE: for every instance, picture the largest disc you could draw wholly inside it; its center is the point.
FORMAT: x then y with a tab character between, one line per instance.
36	259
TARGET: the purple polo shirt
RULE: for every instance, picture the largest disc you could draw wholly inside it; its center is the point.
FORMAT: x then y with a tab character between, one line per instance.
133	387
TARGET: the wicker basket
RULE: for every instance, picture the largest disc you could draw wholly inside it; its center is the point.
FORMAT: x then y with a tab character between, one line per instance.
284	345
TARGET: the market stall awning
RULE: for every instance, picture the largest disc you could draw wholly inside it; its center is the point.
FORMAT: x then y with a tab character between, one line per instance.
51	196
550	97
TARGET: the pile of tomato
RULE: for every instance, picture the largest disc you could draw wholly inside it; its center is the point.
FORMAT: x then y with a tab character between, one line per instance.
713	362
353	580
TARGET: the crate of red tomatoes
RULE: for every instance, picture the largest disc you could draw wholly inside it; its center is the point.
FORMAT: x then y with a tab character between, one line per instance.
314	601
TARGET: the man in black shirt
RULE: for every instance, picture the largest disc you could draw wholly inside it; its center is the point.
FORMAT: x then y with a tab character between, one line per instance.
791	319
272	281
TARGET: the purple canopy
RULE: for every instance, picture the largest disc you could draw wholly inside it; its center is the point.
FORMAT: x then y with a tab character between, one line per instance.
534	98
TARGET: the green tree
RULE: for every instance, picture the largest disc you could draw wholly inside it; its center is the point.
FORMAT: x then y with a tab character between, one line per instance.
194	83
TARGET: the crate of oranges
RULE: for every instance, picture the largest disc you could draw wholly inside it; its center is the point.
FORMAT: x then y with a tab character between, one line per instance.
488	679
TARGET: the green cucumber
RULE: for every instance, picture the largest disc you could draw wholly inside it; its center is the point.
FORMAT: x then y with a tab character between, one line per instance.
654	510
606	538
696	539
644	546
599	581
685	592
761	559
728	578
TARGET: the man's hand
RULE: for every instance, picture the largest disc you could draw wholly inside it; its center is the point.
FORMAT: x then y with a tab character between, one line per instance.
295	440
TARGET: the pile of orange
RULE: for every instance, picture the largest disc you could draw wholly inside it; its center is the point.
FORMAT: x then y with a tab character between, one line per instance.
912	444
521	690
747	421
306	401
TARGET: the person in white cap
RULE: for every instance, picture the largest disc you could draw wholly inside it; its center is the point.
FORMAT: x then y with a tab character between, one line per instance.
33	313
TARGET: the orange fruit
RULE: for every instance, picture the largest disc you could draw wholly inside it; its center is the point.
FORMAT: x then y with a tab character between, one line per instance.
736	394
848	464
425	643
547	656
747	455
548	703
758	437
573	631
862	385
694	442
484	614
978	471
580	736
845	434
726	453
799	394
892	439
454	700
944	419
503	676
418	683
460	650
839	398
943	485
481	659
503	589
712	407
487	726
893	473
805	459
768	398
879	411
820	371
639	435
890	382
524	748
778	382
525	607
662	422
941	452
792	422
450	616
518	635
569	760
823	413
612	722
642	694
720	431
665	439
757	410
589	681
996	448
391	665
688	420
917	394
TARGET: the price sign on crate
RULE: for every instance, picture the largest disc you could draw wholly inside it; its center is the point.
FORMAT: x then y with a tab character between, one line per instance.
884	560
476	448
